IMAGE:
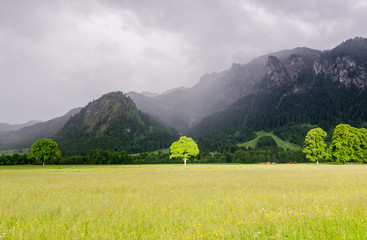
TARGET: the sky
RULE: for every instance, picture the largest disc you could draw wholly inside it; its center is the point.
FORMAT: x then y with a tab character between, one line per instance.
62	54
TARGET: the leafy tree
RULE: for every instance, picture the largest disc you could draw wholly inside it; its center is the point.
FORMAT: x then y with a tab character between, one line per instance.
283	156
44	150
345	145
362	134
184	148
315	145
242	156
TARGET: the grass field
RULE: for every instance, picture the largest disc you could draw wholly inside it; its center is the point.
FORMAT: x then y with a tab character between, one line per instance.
170	202
280	142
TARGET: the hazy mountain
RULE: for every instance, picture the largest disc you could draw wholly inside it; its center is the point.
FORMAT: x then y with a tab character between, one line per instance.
113	123
168	115
308	87
26	136
149	94
5	127
183	108
173	90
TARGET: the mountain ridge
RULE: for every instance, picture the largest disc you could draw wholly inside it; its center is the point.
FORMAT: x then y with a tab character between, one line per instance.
6	127
24	137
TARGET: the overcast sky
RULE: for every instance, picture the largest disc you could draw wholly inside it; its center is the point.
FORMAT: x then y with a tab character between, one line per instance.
58	55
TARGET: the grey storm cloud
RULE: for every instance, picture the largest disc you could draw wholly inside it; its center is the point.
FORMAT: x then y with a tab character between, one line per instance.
57	55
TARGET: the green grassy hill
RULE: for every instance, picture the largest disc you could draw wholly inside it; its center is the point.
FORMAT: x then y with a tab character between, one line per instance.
280	142
163	150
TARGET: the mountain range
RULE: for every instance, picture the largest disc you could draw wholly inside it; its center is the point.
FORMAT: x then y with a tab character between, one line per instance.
184	108
5	127
287	92
23	137
283	91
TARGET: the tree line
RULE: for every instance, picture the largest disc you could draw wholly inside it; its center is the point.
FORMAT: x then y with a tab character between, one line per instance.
230	154
98	156
348	144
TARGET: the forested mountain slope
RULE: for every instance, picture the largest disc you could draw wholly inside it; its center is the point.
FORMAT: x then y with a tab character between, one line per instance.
113	123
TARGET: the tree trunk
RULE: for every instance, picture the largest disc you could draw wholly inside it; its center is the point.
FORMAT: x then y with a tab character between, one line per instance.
184	162
43	164
317	162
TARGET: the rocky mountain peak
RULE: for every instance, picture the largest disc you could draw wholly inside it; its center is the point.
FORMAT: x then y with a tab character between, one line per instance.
346	64
294	65
277	72
100	114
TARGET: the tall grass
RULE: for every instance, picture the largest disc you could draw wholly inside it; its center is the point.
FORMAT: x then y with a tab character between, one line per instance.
199	202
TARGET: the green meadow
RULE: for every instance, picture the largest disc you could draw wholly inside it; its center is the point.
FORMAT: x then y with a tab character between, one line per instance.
302	201
278	140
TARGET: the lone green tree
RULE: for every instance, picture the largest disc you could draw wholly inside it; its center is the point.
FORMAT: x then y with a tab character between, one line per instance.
315	145
44	150
345	145
184	148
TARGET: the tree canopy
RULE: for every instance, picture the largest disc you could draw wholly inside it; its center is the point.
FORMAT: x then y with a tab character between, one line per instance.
184	148
362	134
348	144
315	145
44	150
